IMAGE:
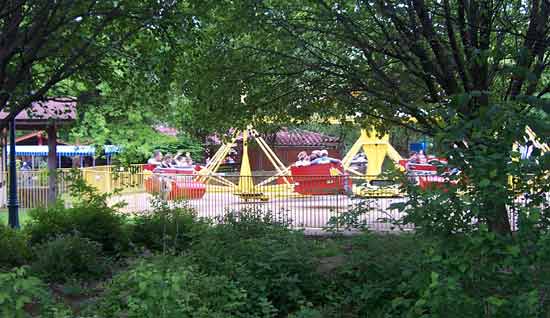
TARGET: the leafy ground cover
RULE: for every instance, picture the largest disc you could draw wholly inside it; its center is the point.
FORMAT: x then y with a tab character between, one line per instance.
245	265
90	261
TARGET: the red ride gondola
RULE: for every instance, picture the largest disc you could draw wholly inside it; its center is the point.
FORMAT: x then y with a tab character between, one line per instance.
320	179
431	174
177	183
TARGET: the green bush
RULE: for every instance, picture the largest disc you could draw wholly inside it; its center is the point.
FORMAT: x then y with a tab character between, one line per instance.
21	293
481	274
473	275
18	289
69	257
307	313
14	248
97	223
166	288
272	263
376	269
251	223
166	229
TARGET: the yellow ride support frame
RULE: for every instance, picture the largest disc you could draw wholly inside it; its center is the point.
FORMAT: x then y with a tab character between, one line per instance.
246	189
375	148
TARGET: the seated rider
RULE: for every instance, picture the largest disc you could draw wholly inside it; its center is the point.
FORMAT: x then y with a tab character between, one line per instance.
324	158
422	157
156	159
413	157
180	161
303	159
166	162
315	154
229	160
188	159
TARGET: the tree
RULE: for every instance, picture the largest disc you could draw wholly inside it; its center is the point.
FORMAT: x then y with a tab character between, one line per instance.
472	71
51	48
138	91
45	43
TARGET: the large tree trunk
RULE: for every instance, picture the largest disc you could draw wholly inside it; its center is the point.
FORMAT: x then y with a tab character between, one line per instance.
499	221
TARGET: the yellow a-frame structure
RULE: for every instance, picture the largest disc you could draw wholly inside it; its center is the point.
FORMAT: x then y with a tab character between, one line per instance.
246	188
376	148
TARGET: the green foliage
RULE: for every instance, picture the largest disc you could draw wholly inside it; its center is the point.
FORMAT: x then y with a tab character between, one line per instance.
18	289
272	263
22	294
69	257
136	136
306	313
167	288
376	276
91	217
472	264
166	229
14	247
79	49
102	225
182	143
482	275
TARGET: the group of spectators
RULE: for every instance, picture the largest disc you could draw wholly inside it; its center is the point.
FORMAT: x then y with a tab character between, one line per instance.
316	157
171	161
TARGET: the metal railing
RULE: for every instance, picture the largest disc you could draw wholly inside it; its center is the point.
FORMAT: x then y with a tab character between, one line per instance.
304	201
110	178
32	187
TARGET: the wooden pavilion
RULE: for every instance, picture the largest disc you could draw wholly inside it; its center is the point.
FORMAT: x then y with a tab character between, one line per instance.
47	115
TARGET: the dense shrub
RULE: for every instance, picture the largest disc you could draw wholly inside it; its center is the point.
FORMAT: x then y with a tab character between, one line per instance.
376	269
480	274
272	263
307	313
167	288
474	275
69	257
166	229
14	248
97	223
19	289
22	294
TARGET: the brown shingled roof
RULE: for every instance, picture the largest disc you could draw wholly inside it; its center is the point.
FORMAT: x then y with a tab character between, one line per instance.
41	113
298	137
293	137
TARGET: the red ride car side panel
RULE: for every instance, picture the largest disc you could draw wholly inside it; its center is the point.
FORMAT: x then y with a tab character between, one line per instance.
181	183
320	179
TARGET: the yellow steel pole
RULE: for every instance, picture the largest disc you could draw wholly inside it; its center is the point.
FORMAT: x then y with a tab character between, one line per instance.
246	184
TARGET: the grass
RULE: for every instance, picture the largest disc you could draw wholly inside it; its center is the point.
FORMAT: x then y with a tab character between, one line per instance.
23	216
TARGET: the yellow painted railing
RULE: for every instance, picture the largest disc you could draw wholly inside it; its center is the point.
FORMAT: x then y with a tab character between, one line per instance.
111	178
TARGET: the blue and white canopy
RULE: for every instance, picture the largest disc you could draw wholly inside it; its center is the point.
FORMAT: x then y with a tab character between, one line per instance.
64	151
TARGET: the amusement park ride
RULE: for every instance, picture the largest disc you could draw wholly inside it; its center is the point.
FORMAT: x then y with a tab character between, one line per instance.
315	179
287	181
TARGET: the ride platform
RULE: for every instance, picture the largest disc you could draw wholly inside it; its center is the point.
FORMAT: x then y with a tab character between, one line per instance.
252	196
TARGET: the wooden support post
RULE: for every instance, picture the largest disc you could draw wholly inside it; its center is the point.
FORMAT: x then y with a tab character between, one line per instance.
52	164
